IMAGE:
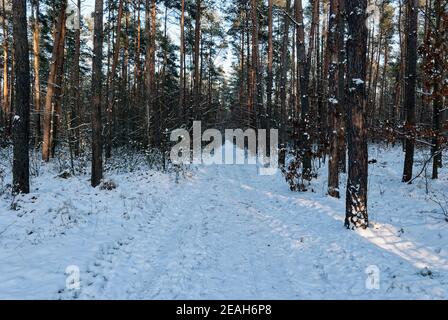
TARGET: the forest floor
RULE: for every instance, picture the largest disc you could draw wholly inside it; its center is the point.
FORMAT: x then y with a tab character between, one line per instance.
221	232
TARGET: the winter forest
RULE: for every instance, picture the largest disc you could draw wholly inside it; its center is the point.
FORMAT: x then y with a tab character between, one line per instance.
116	117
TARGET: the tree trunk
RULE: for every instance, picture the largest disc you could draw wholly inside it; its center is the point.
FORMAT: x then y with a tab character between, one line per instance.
137	70
371	51
6	102
148	84
124	112
22	103
36	66
270	76
197	63
254	67
50	98
58	92
242	77
409	87
284	72
303	65
111	82
356	194
181	110
383	80
152	76
334	104
97	144
249	74
76	92
373	105
342	157
441	32
399	83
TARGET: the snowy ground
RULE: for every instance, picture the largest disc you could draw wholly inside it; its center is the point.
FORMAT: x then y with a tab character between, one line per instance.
221	232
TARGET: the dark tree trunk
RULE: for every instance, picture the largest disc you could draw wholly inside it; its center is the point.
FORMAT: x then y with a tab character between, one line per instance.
284	72
304	64
137	69
6	97
255	85
341	88
438	96
112	83
22	99
400	76
148	85
334	104
152	76
356	195
270	76
97	144
409	86
197	45
435	151
181	111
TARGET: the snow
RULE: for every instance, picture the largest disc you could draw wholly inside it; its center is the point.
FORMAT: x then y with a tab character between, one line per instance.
333	100
219	232
357	81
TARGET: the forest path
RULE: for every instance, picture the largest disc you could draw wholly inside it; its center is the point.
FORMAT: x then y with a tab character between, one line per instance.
228	232
220	232
207	241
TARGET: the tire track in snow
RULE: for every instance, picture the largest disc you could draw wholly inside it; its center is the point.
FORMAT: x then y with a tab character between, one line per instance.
227	233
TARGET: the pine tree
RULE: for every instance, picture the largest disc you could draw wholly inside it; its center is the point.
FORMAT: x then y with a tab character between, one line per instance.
97	144
410	86
356	195
21	118
54	83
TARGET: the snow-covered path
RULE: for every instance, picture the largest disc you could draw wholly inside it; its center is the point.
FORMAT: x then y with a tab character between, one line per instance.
223	232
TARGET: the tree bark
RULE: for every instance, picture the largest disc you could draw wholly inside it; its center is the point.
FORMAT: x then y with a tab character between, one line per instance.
383	80
22	99
36	66
399	83
181	110
356	194
76	92
284	72
334	104
6	101
148	84
341	89
197	63
97	144
152	76
137	70
303	66
52	83
440	33
255	88
124	112
270	75
111	82
409	87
